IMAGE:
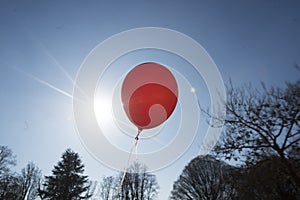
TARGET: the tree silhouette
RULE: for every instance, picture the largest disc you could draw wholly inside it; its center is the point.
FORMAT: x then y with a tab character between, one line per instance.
268	179
20	186
138	184
7	159
107	187
9	183
67	181
28	181
205	178
9	187
262	123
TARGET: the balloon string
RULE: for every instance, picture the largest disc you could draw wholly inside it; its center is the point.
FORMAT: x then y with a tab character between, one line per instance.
136	143
126	168
129	157
136	151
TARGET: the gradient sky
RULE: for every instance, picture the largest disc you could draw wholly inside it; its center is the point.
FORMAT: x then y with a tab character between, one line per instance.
250	41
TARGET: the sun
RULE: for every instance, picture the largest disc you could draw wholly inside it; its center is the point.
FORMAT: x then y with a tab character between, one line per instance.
103	108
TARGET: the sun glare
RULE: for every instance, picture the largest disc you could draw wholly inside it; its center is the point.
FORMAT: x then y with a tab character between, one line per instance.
103	108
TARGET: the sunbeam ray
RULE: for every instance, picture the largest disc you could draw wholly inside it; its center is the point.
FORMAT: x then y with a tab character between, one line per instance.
54	60
47	84
61	68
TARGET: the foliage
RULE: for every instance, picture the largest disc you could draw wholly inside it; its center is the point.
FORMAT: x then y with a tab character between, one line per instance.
67	181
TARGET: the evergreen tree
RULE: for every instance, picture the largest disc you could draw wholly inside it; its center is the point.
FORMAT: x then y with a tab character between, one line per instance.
67	181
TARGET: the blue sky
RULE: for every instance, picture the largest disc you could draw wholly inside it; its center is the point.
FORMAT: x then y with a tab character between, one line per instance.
250	41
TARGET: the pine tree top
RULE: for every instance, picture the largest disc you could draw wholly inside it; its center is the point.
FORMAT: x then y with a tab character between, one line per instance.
67	180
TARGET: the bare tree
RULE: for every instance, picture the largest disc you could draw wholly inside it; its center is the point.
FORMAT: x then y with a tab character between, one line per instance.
9	182
29	180
107	187
261	123
7	159
205	178
10	187
138	184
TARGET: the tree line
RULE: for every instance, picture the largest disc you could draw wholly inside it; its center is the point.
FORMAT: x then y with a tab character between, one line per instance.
17	185
68	181
262	135
257	157
210	178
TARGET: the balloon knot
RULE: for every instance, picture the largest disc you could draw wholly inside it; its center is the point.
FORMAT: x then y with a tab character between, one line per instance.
137	136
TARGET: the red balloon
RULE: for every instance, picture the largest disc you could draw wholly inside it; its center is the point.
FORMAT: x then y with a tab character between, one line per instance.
149	95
